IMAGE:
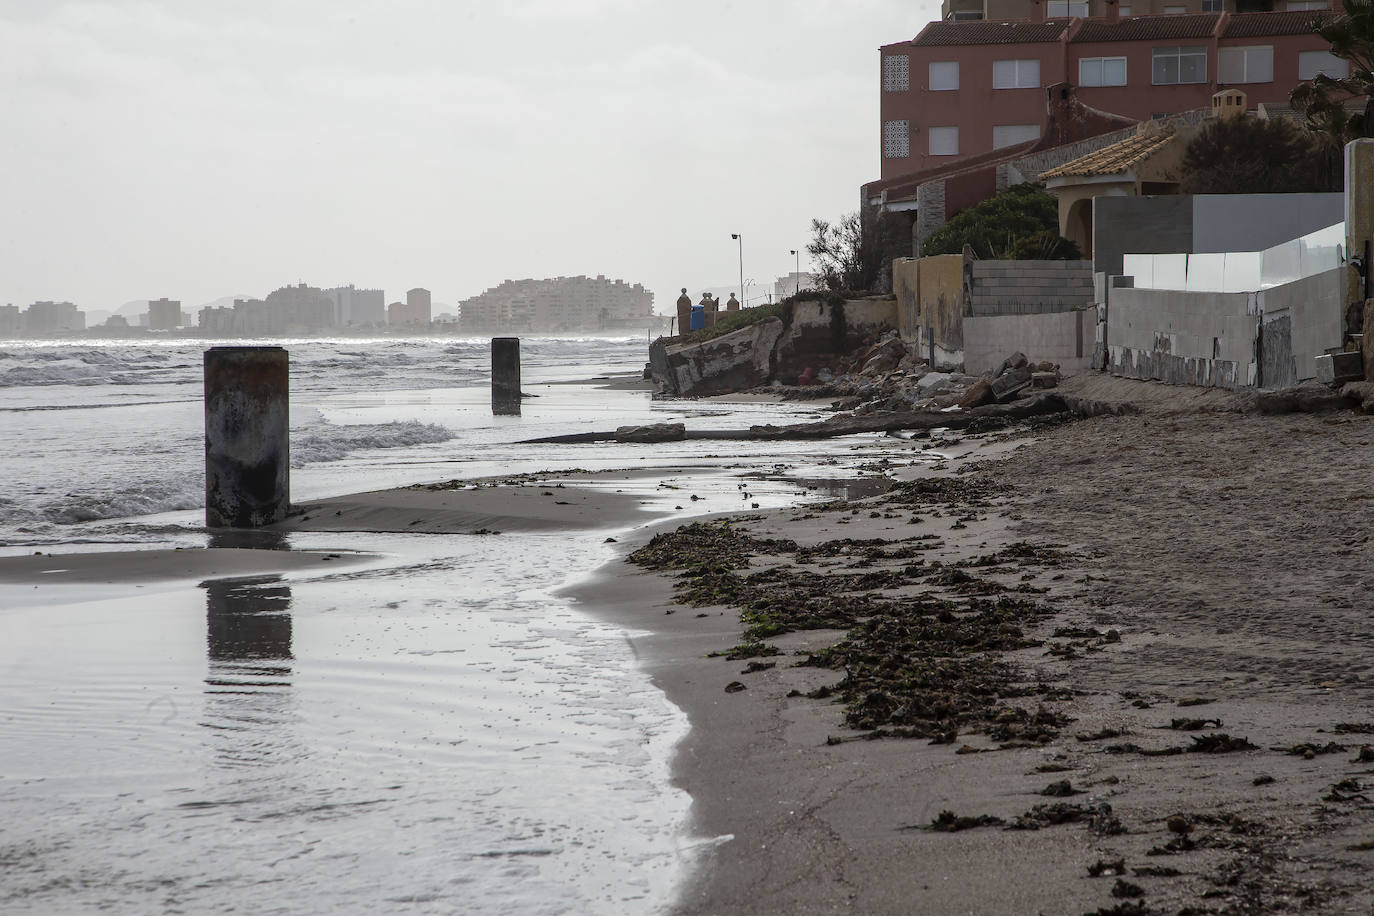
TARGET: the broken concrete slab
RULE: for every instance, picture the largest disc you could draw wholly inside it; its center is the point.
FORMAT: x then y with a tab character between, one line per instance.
652	432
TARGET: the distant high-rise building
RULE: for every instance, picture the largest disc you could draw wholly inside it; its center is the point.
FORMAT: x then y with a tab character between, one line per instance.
164	314
560	304
413	313
419	306
53	317
357	308
793	283
299	309
10	322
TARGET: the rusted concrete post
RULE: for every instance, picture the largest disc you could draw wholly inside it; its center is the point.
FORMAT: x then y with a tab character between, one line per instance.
247	443
505	376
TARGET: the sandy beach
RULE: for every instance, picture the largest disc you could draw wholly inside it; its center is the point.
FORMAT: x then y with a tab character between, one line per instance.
1191	680
1107	665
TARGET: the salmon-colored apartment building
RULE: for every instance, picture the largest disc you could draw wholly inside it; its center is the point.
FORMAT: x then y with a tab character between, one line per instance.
966	87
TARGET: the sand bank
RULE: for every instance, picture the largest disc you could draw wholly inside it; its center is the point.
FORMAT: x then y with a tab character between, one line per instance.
1203	655
538	503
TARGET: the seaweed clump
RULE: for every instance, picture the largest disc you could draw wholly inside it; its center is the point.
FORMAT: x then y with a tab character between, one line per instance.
717	544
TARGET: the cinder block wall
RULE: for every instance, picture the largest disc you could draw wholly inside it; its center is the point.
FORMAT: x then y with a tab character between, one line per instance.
1030	287
1065	338
1183	338
1317	322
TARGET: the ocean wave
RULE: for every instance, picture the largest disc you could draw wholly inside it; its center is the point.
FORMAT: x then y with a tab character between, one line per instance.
146	497
332	443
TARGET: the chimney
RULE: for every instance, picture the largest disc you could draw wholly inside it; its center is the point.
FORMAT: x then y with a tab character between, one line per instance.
1112	10
1037	11
1228	104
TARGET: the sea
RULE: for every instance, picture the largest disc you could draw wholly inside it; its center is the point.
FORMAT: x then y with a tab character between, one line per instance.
437	728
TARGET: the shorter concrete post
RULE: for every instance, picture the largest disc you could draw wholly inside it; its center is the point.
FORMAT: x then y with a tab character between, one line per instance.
247	436
505	376
1359	229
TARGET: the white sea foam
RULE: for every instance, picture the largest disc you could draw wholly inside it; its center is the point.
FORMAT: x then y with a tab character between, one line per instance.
331	443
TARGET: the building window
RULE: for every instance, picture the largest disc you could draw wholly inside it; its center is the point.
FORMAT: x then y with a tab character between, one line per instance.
1012	134
1308	5
944	75
896	73
1310	63
1214	6
944	141
1102	71
1246	65
1124	12
1063	9
1175	10
896	139
1173	66
1016	74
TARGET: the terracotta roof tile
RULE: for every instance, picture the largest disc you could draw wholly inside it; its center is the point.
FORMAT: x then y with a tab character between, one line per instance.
1289	22
1149	28
1110	160
979	32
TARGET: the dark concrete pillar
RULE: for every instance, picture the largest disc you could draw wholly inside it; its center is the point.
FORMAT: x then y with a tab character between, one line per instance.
505	376
247	443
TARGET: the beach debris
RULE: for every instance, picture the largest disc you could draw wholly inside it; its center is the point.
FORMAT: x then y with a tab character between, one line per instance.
1126	889
719	543
949	822
1365	755
1362	846
651	432
1101	734
1347	790
1309	750
1061	789
745	650
1354	728
755	667
1195	701
1126	908
1103	868
1193	725
609	541
1263	779
736	687
1099	817
1155	871
1220	743
1180	843
1178	823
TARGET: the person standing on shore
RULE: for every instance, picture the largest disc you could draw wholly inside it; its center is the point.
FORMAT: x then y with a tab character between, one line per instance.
684	312
732	305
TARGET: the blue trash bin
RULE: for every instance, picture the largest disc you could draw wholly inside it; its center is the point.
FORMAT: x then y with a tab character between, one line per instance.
698	317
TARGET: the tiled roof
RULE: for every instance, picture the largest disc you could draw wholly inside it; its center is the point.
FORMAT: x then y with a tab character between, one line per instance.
1149	28
1292	22
1114	159
980	32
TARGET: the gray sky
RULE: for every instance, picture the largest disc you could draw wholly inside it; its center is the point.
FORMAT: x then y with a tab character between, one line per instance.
196	149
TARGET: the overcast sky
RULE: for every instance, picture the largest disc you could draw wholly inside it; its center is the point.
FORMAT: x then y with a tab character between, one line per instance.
196	149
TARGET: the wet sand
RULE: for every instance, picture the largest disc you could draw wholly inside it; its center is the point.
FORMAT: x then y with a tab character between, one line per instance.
537	503
163	565
1222	724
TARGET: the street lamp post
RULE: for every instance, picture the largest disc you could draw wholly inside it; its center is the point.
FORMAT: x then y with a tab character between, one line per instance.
740	238
797	254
